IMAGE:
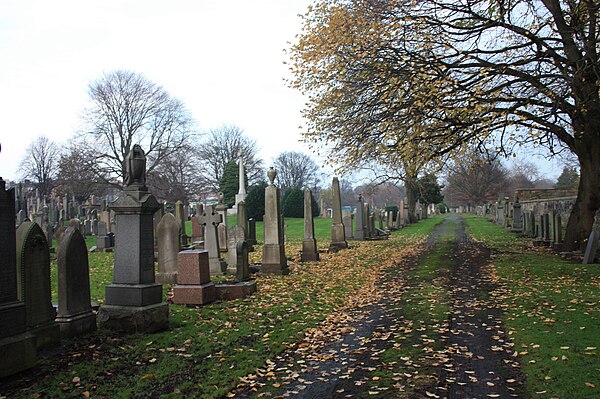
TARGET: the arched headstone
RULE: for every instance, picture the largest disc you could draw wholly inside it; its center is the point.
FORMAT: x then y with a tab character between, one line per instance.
75	315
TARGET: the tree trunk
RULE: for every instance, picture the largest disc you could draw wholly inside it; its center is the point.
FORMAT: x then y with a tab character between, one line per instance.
581	220
410	187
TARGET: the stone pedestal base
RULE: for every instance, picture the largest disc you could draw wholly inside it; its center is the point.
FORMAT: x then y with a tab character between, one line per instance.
338	238
200	294
230	291
133	295
133	319
309	251
46	335
18	353
78	324
166	278
274	260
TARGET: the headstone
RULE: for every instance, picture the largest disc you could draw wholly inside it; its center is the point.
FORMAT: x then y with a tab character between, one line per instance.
102	229
532	232
517	224
243	266
168	233
390	220
557	229
47	226
16	345
33	265
87	227
222	237
591	248
368	221
251	232
75	315
180	216
310	252
338	236
236	234
210	219
197	230
347	221
94	227
273	259
21	217
134	299
102	240
59	234
546	229
398	222
359	220
500	219
193	279
156	218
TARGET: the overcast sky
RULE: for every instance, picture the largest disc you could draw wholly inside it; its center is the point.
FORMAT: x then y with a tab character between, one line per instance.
222	58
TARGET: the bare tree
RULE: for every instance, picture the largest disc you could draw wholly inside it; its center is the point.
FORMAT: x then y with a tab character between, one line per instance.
295	169
79	174
177	176
475	180
222	145
127	109
40	164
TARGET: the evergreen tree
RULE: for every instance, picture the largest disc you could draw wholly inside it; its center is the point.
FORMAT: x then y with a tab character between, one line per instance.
568	179
229	183
255	201
292	204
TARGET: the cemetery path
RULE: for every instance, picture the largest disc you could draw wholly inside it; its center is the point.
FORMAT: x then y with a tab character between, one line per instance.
400	347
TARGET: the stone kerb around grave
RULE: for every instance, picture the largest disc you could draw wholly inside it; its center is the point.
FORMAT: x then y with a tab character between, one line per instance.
75	315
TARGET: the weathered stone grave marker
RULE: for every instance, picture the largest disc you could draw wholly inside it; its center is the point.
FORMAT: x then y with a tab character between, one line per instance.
75	315
273	259
168	234
17	346
338	236
310	252
33	264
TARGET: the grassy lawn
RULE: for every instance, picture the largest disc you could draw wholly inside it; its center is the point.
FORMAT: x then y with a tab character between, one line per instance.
552	312
208	350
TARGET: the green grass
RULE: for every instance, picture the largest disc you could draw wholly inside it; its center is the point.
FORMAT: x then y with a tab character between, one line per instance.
552	311
208	349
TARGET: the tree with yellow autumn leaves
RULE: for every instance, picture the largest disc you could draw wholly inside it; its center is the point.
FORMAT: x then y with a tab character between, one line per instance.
391	80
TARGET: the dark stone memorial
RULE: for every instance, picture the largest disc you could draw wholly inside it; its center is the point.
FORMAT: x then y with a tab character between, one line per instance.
16	345
75	315
134	300
33	265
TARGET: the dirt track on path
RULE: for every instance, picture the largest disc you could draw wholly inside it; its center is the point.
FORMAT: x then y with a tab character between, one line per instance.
473	358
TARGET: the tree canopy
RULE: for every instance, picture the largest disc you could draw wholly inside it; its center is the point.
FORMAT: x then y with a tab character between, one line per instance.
224	144
295	169
41	164
126	109
392	79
